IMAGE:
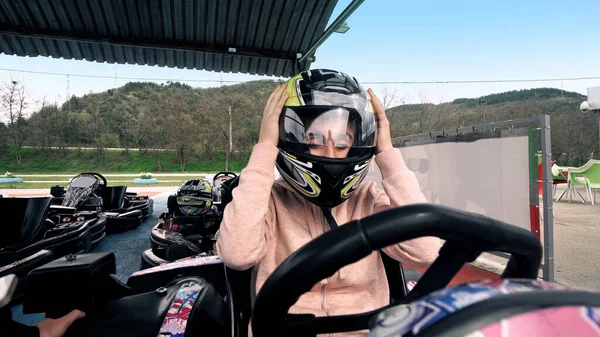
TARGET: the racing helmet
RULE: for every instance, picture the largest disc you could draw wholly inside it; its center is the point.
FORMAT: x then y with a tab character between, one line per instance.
194	197
327	136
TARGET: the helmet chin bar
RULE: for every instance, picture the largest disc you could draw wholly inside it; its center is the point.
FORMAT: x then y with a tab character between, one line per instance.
325	182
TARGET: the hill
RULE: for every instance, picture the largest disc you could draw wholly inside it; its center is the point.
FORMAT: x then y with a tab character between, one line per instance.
574	135
193	123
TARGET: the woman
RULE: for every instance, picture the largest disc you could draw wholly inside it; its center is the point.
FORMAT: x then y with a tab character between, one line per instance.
321	130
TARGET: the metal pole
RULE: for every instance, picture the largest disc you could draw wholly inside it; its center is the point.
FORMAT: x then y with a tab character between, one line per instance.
548	267
334	25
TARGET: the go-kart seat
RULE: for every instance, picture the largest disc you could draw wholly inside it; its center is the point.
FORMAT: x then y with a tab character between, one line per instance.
23	221
113	197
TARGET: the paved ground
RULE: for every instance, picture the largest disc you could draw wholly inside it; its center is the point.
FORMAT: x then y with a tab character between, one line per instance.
576	243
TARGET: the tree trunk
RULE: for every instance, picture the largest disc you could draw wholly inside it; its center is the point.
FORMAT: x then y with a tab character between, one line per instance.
18	153
158	164
106	158
182	158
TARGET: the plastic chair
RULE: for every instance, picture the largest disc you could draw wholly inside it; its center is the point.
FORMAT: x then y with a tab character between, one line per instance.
571	184
587	176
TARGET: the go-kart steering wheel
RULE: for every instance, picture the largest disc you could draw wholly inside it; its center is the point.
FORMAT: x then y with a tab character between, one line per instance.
224	174
97	175
467	235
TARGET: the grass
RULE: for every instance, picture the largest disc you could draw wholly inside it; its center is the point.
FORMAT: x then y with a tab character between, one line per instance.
34	161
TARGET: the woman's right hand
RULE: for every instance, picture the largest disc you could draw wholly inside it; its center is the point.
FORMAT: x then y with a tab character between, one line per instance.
269	127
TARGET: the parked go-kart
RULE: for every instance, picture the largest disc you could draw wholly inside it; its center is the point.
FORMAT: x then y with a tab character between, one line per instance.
79	202
31	238
190	306
123	210
189	227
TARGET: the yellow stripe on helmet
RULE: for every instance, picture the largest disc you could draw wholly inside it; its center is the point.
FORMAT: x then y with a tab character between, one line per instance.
293	99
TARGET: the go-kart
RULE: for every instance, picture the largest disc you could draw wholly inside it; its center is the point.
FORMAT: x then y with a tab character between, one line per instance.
77	203
123	210
193	306
190	225
30	238
221	181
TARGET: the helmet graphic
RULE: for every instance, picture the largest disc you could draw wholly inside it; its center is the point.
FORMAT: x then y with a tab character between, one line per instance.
194	197
327	136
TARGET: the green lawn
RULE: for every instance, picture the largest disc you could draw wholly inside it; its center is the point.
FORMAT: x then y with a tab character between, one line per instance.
36	162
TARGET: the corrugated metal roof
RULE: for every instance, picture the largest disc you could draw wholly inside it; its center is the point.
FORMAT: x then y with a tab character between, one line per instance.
193	34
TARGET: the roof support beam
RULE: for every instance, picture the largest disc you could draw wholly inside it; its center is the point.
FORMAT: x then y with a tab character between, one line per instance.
176	46
332	28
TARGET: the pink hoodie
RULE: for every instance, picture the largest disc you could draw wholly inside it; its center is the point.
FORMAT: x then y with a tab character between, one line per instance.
267	221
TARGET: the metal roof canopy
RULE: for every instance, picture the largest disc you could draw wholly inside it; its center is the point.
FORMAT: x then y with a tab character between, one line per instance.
258	37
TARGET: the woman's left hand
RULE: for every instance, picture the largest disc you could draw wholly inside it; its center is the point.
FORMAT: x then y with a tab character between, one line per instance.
384	139
57	327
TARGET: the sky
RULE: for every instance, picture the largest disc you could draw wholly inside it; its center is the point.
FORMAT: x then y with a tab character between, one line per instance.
393	40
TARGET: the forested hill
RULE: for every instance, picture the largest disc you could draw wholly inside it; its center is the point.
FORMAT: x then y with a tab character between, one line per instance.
194	122
574	134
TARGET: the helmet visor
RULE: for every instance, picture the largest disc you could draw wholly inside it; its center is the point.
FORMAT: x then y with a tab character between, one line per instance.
318	126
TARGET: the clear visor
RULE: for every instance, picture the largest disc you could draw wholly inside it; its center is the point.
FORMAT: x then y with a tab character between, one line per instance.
324	126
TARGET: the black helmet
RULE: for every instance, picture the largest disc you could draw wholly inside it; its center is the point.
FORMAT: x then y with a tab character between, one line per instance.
327	136
194	197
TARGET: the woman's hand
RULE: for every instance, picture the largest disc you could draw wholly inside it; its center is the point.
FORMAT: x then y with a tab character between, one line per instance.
384	139
57	327
269	127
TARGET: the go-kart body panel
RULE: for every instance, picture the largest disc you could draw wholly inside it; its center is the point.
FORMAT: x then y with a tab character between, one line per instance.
63	238
72	237
149	260
145	204
162	241
11	263
119	223
210	268
412	318
552	322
